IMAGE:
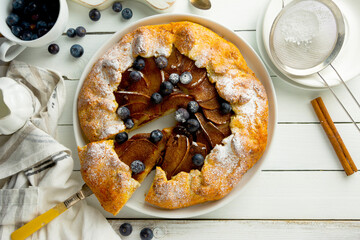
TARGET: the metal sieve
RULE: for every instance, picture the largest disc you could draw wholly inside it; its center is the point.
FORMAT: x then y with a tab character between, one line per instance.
306	37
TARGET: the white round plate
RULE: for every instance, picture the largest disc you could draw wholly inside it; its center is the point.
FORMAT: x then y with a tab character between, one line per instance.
137	201
346	63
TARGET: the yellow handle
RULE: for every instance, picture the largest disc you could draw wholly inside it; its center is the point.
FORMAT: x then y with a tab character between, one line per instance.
37	223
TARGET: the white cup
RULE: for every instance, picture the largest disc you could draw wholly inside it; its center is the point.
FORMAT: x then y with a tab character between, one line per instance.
13	45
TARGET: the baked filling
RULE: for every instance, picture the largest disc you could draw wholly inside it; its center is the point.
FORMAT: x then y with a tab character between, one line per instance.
221	109
175	151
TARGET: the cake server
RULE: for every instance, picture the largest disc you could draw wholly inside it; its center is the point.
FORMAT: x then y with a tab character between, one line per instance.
40	221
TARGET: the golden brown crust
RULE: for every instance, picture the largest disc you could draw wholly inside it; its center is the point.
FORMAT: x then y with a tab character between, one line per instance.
234	81
108	177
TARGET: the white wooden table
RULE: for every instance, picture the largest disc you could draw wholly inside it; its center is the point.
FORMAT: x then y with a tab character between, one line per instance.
301	192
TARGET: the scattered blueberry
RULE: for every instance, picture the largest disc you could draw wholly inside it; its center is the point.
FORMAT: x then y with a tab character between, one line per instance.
198	159
12	19
123	112
156	136
42	31
185	78
117	6
16	30
125	229
192	125
18	4
80	31
76	51
137	166
174	78
94	14
71	33
161	62
166	88
135	76
156	98
225	108
41	24
139	64
127	13
146	234
193	107
26	35
129	123
53	48
181	115
121	137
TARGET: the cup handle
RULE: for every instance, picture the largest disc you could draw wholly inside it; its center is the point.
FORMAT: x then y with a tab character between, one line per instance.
9	50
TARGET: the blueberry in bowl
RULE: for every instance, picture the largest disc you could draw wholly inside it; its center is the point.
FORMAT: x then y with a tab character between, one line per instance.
31	19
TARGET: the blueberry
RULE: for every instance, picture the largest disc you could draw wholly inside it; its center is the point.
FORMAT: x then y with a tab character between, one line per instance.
35	17
185	78
192	125
121	137
71	33
123	112
26	35
193	107
137	166
146	234
16	30
18	4
198	159
181	115
30	8
25	25
139	64
156	98
80	31
174	78
50	25
156	136
41	24
129	123
42	31
225	108
12	19
53	48
76	51
94	14
34	36
127	13
135	76
166	88
181	130
125	229
161	62
117	6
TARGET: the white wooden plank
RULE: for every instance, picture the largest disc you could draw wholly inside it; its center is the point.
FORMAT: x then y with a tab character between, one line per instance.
237	229
242	14
283	195
295	147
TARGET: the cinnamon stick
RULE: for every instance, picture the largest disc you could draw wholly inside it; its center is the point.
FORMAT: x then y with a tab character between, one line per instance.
334	137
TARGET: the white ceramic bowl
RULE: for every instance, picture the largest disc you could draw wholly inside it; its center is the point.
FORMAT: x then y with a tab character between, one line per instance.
13	46
137	202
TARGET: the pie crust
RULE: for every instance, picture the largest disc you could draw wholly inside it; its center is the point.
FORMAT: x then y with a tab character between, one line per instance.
110	179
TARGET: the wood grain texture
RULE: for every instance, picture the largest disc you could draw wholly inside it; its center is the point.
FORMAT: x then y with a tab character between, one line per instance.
237	229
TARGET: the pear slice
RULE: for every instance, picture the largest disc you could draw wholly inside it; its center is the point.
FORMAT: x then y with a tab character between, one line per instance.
213	134
216	116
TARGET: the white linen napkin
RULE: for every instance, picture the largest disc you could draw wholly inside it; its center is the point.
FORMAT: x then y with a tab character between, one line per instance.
37	169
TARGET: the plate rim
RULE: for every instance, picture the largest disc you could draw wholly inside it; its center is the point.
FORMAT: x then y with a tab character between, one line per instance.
265	79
